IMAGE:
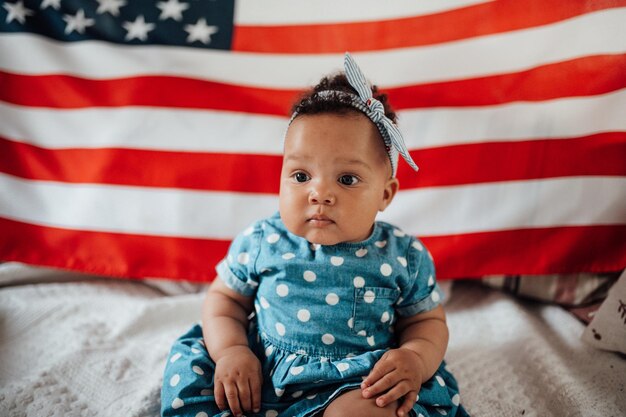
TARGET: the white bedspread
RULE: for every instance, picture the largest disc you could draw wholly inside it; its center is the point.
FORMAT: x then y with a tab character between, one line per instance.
89	347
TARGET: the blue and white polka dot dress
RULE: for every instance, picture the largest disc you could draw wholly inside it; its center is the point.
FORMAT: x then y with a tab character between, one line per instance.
324	316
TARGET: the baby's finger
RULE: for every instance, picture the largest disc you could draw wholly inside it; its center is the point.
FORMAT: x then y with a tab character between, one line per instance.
255	392
407	404
245	399
220	396
232	396
383	384
393	394
382	368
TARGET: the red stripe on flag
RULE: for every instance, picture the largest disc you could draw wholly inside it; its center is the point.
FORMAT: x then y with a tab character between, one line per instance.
527	251
146	168
509	161
261	173
555	250
111	254
70	92
586	76
462	23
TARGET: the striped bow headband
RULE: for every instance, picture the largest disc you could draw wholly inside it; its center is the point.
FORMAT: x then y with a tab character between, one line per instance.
373	109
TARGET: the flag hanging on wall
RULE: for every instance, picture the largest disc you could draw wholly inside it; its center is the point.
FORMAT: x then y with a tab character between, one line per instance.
138	138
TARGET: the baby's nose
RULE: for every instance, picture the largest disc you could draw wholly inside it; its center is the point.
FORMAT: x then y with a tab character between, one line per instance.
321	195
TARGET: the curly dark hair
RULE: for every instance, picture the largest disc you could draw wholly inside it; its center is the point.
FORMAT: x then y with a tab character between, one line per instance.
311	103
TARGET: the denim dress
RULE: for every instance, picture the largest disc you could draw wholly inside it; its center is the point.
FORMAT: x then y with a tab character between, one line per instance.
324	316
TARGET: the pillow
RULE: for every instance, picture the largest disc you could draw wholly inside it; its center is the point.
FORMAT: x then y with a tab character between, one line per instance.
581	294
607	330
564	289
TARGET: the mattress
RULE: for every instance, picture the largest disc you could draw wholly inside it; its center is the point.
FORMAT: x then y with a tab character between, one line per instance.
78	345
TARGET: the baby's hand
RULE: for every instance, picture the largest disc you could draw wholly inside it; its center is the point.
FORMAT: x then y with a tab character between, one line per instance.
398	373
238	381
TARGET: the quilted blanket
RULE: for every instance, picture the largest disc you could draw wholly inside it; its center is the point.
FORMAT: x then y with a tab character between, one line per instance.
80	346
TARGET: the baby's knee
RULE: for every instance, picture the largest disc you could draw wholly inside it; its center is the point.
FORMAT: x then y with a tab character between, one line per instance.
353	404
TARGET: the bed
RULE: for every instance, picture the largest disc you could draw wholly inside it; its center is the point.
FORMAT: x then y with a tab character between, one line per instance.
80	345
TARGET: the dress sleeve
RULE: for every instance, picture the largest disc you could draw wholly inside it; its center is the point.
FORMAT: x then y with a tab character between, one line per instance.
421	293
238	269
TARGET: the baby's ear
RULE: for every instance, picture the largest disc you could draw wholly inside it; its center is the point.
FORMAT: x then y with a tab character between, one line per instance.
391	188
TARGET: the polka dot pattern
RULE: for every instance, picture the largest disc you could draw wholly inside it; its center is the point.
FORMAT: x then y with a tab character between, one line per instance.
177	403
309	276
328	293
273	238
174	380
282	290
359	282
385	317
296	370
343	366
332	299
386	269
304	315
243	258
369	296
328	339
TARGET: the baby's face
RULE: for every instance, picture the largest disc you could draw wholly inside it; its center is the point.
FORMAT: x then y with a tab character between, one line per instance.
335	178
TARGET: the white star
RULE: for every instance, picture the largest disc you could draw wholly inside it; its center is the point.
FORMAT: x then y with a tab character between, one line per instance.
17	11
77	23
200	31
138	29
110	6
55	4
172	9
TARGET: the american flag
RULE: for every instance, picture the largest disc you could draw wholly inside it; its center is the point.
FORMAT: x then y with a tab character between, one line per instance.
138	138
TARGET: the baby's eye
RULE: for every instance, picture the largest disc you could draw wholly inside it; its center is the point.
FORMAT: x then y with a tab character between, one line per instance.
348	180
300	177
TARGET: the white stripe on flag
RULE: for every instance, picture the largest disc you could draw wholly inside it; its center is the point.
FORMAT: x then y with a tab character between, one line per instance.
228	132
571	201
507	52
263	13
427	212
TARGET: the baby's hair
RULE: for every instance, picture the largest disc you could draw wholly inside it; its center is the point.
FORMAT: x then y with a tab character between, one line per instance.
311	103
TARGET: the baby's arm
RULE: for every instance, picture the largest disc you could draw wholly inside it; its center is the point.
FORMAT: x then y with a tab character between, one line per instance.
238	377
423	339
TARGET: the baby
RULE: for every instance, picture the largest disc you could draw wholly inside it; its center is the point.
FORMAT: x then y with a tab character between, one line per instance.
347	316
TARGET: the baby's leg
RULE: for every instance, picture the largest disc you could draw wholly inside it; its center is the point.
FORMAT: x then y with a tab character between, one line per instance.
352	403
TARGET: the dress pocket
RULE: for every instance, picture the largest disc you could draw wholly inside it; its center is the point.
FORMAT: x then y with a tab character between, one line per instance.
373	309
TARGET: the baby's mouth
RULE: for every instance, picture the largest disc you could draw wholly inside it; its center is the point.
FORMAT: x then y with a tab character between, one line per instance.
319	220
